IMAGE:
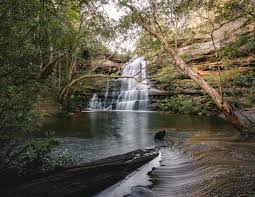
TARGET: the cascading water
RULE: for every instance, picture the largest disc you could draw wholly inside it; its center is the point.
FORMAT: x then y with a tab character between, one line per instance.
106	97
129	92
95	103
134	88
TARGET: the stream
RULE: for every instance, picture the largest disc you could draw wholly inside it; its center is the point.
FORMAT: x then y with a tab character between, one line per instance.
203	156
96	135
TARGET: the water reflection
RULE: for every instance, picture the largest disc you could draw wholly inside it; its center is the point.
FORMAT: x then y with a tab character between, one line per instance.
97	135
132	127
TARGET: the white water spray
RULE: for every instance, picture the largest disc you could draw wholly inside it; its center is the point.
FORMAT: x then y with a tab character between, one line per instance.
132	93
134	88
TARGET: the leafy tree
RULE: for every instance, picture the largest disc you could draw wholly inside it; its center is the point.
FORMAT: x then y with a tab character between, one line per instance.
42	44
149	15
18	65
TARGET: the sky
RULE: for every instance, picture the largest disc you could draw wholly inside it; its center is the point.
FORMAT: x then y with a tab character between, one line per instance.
118	44
112	11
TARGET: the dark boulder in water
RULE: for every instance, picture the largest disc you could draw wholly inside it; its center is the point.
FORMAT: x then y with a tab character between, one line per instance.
160	135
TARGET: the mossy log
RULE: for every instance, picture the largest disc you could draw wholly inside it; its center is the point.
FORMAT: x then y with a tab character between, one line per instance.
83	180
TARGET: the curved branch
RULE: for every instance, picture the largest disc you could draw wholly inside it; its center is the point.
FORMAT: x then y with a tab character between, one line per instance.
64	91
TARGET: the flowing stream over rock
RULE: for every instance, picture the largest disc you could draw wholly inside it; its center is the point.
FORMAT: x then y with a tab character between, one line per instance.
201	156
129	92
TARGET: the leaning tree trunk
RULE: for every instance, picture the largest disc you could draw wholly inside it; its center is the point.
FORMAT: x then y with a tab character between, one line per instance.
223	105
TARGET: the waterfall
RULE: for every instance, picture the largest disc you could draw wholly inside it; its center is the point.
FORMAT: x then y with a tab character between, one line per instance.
129	92
134	88
95	103
106	94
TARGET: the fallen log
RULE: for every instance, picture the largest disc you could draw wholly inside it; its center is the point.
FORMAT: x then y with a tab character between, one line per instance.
84	180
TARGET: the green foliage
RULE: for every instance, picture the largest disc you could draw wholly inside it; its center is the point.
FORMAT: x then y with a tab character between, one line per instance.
37	35
37	156
33	35
245	80
182	104
63	112
20	155
49	88
147	46
167	74
207	107
126	22
17	66
234	9
176	104
244	45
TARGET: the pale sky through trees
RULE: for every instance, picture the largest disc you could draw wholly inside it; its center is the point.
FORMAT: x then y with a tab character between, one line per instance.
120	43
112	11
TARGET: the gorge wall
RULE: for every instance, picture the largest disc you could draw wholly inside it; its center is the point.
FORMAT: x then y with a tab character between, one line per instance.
172	91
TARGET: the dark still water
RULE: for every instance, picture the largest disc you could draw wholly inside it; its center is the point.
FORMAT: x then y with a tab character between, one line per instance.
96	135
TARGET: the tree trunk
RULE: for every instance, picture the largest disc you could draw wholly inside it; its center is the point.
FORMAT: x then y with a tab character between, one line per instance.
45	70
78	181
223	105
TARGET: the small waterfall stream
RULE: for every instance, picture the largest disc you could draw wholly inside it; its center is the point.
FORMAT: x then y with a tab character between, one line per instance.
129	92
95	103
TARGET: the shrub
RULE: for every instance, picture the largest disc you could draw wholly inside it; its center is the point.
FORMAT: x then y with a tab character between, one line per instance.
177	104
245	80
33	157
29	157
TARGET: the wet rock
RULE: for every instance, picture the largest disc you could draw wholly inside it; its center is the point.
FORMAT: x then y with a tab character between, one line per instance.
160	135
